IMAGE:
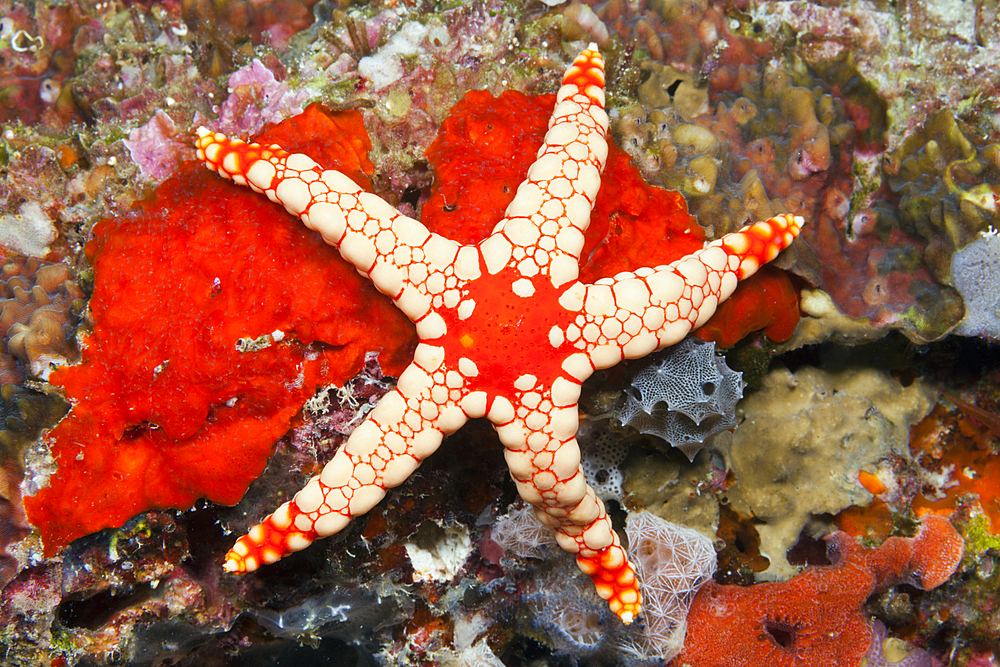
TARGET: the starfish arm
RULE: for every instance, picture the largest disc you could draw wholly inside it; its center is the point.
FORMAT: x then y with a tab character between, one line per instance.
634	313
397	253
552	206
544	460
405	427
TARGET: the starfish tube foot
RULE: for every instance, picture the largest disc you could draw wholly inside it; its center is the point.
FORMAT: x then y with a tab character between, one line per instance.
507	331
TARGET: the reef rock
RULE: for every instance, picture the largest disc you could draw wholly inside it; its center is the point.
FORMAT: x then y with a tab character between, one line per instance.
805	437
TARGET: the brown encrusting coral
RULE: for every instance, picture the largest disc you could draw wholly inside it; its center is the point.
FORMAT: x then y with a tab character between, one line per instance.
40	305
946	179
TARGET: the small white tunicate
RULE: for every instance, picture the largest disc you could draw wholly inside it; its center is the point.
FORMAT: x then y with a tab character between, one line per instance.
6	27
49	91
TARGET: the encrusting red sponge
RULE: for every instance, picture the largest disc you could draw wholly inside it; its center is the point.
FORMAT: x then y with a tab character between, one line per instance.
818	616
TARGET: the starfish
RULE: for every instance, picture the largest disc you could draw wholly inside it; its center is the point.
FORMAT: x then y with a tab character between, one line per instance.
506	330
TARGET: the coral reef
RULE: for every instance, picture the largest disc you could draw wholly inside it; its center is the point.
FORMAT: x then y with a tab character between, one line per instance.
785	135
935	56
958	464
879	120
40	304
13	524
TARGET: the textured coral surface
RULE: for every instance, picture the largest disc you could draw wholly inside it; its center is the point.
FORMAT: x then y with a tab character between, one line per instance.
877	120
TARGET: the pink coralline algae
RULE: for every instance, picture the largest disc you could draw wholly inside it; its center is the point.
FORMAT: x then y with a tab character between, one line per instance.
155	146
257	99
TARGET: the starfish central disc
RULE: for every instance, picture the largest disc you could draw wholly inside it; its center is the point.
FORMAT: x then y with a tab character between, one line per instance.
507	336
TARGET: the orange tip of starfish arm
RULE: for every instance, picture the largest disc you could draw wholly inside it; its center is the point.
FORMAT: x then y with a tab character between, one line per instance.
235	564
242	558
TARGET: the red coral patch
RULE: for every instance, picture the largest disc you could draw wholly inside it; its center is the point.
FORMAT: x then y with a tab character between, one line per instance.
767	300
817	617
480	156
960	442
166	410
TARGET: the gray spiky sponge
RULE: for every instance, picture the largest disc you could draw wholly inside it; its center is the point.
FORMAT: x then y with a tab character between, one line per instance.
685	396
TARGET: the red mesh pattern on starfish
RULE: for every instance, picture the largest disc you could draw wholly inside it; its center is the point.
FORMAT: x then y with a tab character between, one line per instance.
506	329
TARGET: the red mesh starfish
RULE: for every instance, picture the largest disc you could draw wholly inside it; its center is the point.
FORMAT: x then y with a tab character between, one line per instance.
506	329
